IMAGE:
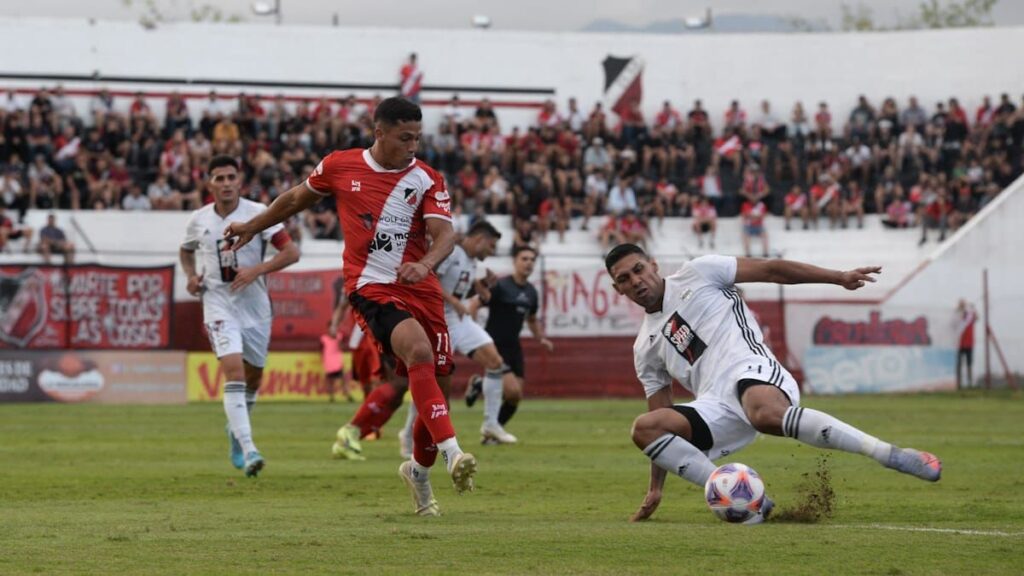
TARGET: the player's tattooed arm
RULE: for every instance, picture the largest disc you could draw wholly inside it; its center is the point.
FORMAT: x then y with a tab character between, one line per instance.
284	207
790	272
188	266
442	243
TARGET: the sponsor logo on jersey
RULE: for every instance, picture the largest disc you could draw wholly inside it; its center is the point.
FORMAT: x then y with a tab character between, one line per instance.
442	196
682	337
356	185
445	206
380	242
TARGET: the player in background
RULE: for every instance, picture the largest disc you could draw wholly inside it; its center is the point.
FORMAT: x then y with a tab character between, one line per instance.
382	390
459	280
388	203
236	307
699	332
512	301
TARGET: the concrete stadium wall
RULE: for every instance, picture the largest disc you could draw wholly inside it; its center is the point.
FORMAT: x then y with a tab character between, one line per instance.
907	341
783	68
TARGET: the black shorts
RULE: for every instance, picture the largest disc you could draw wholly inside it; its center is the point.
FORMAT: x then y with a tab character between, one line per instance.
512	354
381	319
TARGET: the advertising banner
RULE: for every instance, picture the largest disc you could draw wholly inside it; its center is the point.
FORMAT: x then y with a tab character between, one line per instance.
86	306
875	369
289	376
152	377
303	302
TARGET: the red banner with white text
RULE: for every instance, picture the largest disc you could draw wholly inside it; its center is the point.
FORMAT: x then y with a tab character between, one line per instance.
87	306
303	302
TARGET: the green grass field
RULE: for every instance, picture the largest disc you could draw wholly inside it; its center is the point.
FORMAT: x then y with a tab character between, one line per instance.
90	489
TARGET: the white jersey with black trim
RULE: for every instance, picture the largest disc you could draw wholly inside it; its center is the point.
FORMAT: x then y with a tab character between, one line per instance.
704	337
218	265
456	273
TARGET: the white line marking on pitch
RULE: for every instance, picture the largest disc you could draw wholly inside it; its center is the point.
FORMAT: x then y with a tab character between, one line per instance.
964	531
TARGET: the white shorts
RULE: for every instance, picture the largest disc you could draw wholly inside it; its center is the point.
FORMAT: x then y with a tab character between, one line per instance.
226	337
722	412
467	335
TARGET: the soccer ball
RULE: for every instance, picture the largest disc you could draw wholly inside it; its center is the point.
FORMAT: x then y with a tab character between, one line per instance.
734	492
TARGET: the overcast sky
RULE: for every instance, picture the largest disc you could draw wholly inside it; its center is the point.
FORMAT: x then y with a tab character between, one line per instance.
552	15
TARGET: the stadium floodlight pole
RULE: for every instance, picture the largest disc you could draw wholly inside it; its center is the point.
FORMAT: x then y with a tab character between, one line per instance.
262	8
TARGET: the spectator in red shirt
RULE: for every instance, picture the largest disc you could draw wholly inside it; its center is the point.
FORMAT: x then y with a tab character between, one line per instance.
966	317
705	221
935	215
753	214
735	117
9	230
410	79
796	204
668	118
823	120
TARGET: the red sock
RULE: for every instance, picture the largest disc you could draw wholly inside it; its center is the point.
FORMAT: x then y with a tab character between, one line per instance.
424	451
382	400
375	410
430	404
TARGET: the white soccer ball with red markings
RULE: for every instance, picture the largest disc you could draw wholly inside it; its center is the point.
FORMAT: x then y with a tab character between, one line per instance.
734	492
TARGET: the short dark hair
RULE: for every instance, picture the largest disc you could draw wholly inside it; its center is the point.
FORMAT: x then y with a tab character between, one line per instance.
397	109
620	252
484	227
522	248
220	161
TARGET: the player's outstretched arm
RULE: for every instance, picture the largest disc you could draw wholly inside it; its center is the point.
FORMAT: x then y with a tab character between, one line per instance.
660	399
790	272
284	207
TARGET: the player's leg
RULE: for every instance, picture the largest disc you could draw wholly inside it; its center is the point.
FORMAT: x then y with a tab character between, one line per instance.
471	339
255	344
512	388
497	377
676	439
226	342
769	410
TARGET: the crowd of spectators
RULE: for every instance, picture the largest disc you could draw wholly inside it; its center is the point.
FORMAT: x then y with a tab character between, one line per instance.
929	167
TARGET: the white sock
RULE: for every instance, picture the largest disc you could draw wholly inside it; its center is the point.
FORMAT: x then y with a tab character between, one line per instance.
250	399
449	449
676	455
420	473
410	419
821	430
492	389
238	415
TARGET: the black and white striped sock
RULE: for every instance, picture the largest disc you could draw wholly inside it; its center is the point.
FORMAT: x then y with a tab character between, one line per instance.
824	431
676	455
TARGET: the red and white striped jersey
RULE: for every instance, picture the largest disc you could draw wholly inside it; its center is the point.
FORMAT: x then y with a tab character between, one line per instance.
382	212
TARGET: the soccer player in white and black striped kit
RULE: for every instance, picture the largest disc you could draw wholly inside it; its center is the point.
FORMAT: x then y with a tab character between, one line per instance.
699	332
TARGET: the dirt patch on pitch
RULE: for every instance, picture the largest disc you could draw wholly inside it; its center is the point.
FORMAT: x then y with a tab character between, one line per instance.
816	499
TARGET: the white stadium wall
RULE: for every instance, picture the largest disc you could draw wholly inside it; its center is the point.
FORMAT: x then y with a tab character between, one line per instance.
907	340
783	68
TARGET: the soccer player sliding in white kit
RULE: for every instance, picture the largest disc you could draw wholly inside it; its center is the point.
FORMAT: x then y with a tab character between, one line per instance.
698	332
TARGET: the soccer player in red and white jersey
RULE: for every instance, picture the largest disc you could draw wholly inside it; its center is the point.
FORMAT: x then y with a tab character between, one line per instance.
388	203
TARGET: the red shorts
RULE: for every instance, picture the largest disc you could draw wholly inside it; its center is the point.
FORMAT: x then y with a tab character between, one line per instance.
381	307
366	365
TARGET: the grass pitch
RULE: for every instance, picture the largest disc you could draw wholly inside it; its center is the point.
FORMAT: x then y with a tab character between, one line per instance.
89	489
